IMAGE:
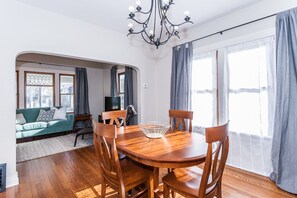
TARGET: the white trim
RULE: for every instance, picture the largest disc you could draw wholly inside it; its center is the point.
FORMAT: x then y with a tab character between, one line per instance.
12	180
248	170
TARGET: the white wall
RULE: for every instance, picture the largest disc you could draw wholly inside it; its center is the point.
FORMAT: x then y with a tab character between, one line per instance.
30	29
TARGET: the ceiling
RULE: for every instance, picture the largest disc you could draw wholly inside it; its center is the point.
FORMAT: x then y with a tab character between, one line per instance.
112	14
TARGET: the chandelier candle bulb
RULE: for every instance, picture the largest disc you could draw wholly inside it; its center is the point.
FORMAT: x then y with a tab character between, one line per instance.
166	2
187	13
130	25
131	8
138	3
151	32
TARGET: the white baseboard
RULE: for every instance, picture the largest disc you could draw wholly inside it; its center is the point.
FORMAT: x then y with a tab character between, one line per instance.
12	180
248	170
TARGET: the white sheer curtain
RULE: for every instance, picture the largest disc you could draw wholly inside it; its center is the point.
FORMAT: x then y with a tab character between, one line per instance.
204	89
249	103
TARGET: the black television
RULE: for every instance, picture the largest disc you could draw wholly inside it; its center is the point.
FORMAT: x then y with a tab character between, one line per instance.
112	103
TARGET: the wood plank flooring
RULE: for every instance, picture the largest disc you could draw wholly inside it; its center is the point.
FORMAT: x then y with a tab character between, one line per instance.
75	174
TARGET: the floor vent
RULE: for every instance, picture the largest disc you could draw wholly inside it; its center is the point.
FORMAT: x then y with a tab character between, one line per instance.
2	177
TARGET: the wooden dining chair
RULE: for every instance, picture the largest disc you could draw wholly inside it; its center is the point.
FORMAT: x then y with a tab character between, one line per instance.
117	117
120	175
195	182
180	117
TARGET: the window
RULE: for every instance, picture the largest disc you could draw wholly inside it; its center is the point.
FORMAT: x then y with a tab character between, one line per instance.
204	89
67	91
250	85
17	88
39	89
121	81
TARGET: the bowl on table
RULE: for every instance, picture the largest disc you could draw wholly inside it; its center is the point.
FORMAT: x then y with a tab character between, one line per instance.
154	129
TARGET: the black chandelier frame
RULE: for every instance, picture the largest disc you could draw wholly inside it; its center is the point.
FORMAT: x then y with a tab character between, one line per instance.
170	29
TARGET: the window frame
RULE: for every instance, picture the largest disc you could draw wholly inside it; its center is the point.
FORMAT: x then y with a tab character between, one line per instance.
73	75
25	86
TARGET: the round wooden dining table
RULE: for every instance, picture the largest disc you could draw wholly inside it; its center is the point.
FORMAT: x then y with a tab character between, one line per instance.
175	149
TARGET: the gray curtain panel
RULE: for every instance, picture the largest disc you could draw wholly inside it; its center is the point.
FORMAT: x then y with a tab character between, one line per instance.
81	92
128	87
113	81
181	77
284	145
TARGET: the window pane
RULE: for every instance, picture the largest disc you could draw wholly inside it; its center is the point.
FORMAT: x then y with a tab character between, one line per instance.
37	96
39	79
203	109
202	77
122	101
248	89
122	79
66	85
246	67
67	92
204	89
67	100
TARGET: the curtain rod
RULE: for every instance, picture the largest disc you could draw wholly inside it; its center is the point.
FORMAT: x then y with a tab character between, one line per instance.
228	29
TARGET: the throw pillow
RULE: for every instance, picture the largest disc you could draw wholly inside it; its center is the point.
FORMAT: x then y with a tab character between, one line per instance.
45	116
20	119
60	114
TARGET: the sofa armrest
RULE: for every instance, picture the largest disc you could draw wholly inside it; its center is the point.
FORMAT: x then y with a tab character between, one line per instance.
70	116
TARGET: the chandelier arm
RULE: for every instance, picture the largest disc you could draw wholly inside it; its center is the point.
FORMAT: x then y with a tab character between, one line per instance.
135	32
137	21
152	40
149	42
179	24
162	17
168	37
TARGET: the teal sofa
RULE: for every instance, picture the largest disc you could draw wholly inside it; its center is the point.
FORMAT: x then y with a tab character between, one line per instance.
32	129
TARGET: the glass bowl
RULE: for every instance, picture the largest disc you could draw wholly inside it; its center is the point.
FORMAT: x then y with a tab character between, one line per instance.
154	129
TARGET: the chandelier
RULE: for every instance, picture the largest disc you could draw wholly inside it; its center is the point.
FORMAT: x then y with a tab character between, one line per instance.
155	31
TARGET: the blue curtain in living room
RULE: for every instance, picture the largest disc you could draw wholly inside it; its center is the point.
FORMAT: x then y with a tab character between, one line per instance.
128	89
81	92
113	81
284	144
181	77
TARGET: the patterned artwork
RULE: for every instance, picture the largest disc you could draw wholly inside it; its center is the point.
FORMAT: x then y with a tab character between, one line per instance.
45	116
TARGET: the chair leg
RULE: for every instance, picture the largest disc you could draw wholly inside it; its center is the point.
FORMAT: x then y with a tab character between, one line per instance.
219	189
165	191
150	186
172	193
75	140
82	137
103	189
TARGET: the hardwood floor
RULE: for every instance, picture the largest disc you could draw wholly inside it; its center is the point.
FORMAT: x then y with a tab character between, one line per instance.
75	174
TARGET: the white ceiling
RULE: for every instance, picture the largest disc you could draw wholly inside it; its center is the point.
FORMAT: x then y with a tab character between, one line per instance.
112	14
